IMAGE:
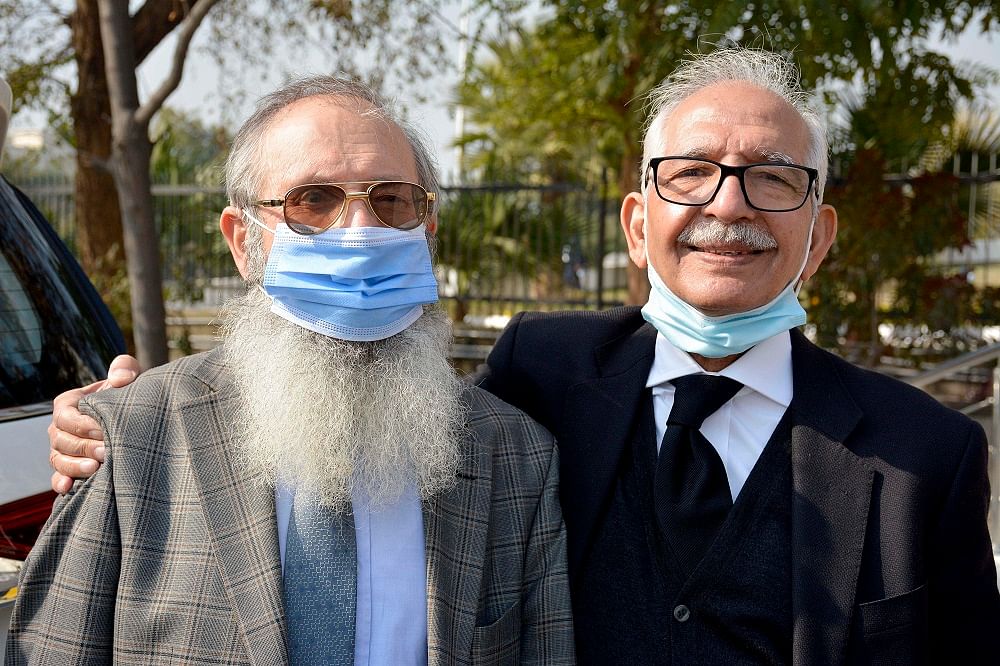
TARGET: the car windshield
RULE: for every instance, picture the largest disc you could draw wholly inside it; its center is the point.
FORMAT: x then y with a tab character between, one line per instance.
54	332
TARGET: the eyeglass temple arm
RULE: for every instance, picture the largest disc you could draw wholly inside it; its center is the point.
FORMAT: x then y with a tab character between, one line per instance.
269	203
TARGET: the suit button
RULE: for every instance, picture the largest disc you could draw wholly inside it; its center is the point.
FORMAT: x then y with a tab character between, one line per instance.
682	613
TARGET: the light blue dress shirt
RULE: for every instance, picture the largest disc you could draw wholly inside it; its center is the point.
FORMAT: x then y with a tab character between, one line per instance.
391	625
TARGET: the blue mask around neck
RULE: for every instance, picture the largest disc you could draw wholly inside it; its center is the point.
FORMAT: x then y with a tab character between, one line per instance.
354	283
689	329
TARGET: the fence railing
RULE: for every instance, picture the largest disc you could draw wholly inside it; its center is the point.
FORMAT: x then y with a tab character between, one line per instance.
501	248
988	357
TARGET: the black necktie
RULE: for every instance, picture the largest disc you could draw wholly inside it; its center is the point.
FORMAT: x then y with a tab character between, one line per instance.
691	491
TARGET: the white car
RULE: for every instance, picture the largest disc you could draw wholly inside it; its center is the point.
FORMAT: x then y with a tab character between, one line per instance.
55	334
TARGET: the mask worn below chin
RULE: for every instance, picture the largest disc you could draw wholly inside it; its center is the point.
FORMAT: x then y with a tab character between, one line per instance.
689	329
355	283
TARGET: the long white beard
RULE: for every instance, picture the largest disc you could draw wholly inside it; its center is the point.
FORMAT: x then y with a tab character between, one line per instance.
333	417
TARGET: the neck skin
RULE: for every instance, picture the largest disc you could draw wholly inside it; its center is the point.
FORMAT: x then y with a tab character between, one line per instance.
714	364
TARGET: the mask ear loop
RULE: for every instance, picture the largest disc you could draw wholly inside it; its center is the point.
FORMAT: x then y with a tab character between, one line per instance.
797	280
247	215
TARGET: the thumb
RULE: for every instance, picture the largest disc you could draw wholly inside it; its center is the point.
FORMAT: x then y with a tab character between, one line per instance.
122	372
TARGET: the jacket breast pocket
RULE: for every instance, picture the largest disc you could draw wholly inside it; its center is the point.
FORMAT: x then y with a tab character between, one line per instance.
895	628
500	642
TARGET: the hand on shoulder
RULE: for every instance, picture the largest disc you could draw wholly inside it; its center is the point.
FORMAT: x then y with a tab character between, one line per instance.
76	442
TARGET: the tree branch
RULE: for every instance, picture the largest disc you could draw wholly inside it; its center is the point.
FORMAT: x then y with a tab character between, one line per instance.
187	29
154	21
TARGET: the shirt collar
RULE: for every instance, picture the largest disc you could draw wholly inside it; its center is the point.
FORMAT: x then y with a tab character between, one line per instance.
765	368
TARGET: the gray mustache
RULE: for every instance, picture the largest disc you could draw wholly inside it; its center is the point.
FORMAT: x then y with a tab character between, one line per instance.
713	232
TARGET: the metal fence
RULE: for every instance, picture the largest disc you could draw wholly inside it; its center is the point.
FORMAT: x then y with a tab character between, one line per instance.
501	248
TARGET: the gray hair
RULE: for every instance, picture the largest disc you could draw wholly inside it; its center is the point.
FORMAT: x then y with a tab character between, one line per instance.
756	67
243	174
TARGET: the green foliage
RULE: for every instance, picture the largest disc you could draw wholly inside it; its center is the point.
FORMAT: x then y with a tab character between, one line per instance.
186	153
888	231
507	243
570	87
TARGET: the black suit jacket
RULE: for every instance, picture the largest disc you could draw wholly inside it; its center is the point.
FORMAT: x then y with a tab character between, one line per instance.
892	559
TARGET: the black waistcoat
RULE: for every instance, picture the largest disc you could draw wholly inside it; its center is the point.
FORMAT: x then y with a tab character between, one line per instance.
633	606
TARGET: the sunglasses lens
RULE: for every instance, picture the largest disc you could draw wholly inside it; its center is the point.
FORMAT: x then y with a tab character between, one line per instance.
399	205
309	209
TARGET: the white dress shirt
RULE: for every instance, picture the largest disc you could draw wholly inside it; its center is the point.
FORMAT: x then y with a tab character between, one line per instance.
741	428
391	621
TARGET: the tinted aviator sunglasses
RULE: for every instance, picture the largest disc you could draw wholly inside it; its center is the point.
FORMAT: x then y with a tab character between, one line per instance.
314	207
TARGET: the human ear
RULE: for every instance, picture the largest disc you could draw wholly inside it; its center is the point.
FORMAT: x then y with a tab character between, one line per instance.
824	232
234	228
633	220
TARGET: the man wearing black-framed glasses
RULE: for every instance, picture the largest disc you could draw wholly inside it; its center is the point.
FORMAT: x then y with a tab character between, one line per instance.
732	493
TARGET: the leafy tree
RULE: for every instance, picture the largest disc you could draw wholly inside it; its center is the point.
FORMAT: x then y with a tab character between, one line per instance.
883	266
129	162
574	83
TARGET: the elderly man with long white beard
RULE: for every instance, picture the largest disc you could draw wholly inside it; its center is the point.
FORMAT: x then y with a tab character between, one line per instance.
322	488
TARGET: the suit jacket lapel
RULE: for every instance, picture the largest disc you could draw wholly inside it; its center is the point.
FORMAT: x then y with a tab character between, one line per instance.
455	539
242	525
591	443
832	493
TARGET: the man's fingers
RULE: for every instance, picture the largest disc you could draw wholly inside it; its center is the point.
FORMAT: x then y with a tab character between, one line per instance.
69	444
72	466
68	419
60	483
122	371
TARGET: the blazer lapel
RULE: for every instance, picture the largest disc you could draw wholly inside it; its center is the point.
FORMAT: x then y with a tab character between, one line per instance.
591	443
832	493
455	539
242	525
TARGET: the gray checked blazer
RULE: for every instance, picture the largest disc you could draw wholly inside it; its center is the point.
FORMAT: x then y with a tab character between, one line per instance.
169	554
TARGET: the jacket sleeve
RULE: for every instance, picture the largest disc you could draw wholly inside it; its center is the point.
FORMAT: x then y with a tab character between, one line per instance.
964	608
497	375
547	622
65	607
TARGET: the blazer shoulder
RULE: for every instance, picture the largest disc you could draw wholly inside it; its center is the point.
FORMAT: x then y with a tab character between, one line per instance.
552	345
897	422
147	412
506	434
895	399
175	382
579	327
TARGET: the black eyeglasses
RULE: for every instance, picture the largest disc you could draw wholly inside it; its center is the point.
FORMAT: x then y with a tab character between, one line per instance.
772	187
314	207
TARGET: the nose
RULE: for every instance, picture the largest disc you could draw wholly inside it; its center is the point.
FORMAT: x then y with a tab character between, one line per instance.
358	213
730	203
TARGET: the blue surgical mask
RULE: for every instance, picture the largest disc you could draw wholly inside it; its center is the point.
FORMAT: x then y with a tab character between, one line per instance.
689	329
353	283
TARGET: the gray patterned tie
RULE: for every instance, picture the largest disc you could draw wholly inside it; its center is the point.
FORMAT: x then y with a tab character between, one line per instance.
320	585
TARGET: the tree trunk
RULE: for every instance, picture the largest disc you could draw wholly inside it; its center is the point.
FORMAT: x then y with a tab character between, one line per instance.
132	153
99	240
130	156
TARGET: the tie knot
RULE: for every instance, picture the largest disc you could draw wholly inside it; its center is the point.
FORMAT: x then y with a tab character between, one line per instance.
696	397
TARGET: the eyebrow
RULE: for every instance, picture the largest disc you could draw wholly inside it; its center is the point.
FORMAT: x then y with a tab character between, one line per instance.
761	153
774	155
